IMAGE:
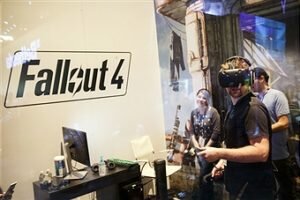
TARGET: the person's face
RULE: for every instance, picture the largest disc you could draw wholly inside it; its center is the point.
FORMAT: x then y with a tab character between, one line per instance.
237	92
257	85
201	100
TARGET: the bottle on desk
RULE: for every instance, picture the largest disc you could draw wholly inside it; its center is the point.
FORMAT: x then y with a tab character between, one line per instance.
48	177
102	167
41	177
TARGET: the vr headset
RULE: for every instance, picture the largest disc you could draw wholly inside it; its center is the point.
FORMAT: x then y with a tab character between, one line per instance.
235	75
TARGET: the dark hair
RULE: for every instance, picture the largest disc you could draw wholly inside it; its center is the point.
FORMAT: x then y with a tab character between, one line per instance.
258	71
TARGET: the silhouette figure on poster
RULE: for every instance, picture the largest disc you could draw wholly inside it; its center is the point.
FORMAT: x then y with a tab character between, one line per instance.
176	61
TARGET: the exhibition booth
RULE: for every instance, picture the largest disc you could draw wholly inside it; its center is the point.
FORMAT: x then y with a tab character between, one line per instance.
102	80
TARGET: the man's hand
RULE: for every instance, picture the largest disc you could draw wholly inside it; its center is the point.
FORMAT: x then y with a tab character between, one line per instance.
210	154
218	169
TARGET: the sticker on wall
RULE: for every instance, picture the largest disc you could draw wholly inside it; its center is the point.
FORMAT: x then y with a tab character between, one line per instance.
44	77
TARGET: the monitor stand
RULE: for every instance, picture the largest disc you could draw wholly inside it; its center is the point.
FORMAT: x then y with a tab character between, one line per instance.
74	175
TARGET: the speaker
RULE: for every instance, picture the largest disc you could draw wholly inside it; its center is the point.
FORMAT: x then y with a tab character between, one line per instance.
110	165
161	179
95	168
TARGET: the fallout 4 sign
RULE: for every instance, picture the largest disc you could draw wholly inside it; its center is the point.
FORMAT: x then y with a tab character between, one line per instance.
43	77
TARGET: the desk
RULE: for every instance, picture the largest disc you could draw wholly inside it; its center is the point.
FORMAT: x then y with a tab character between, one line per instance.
107	186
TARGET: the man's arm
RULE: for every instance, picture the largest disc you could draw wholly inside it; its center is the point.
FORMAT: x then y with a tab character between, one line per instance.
281	124
281	111
257	151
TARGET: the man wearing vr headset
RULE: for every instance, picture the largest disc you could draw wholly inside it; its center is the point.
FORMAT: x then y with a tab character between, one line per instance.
246	160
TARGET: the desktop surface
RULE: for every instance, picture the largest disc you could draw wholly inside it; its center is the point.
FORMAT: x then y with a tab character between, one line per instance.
105	185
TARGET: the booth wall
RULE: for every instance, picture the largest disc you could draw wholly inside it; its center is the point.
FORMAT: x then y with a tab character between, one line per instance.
30	136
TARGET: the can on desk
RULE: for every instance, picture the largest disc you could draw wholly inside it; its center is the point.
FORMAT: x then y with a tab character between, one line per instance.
60	167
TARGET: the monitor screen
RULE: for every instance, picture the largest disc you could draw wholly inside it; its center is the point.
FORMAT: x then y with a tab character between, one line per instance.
77	145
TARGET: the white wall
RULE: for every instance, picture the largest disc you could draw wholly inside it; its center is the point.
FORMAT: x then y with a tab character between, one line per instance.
31	135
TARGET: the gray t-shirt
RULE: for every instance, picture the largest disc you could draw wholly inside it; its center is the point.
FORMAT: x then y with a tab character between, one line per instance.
277	105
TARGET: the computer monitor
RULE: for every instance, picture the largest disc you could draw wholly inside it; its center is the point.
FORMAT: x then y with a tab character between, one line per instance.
75	148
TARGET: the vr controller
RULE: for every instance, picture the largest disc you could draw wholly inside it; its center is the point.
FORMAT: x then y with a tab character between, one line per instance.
234	77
